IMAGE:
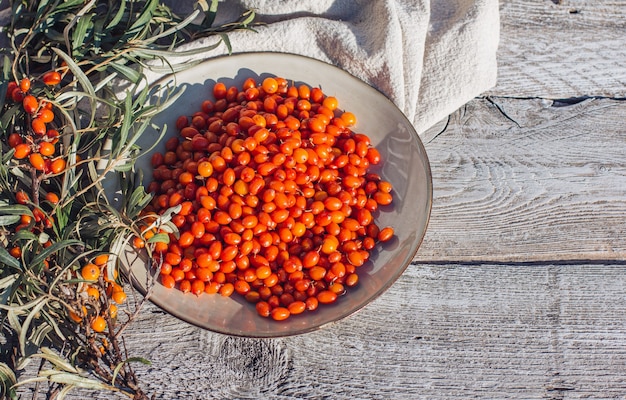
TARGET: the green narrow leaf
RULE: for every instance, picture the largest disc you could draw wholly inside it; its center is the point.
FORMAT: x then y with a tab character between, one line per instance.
53	324
126	167
53	249
78	73
118	17
24	235
159	237
137	202
181	25
129	73
8	259
67	378
56	360
40	333
64	392
8	115
126	123
209	12
15	209
67	4
119	366
84	24
145	16
6	220
7	381
7	281
226	40
26	325
6	77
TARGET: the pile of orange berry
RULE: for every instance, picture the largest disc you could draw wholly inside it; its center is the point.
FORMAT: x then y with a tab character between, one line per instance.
274	196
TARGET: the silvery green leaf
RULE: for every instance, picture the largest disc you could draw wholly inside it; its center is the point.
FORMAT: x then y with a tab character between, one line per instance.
119	366
8	259
7	381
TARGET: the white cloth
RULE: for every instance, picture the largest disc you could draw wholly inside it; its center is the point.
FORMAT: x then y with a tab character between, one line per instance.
428	57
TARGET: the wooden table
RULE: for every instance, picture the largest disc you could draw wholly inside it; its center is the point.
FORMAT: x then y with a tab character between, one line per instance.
519	289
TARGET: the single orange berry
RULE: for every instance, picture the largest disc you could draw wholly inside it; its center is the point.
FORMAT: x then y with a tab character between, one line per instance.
22	150
112	310
46	149
30	104
14	139
98	324
39	126
119	296
101	259
57	166
46	115
269	85
10	88
36	160
22	197
138	243
52	197
93	292
348	118
77	317
25	85
51	78
16	252
90	272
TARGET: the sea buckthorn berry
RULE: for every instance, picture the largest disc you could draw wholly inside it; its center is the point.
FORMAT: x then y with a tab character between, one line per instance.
22	150
10	88
90	272
30	104
326	297
219	91
93	292
53	198
46	149
98	324
38	126
17	95
51	78
280	313
269	85
37	161
57	166
25	85
14	139
119	296
46	115
168	281
385	234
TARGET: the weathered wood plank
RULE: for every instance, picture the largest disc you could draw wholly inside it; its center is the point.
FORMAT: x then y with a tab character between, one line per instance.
441	332
528	183
561	49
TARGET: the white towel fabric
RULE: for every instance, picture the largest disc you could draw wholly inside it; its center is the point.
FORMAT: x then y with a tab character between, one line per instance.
428	57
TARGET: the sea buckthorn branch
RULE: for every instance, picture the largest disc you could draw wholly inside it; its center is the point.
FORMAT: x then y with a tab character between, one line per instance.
62	299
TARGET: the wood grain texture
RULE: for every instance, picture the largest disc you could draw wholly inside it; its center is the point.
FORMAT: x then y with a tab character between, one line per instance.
525	180
561	49
464	331
518	289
